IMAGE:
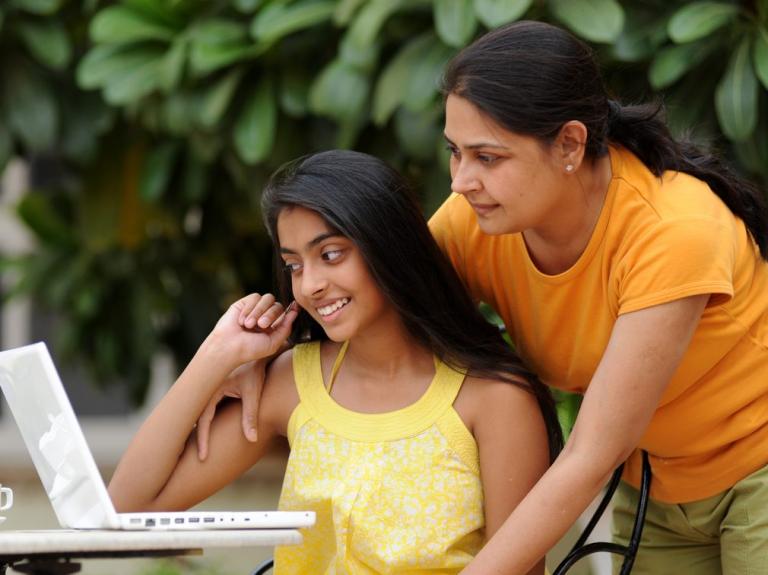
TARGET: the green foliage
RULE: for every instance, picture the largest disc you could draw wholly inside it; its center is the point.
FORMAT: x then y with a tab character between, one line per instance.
163	119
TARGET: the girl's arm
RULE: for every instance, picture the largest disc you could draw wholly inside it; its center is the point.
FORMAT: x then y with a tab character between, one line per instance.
512	440
643	353
161	469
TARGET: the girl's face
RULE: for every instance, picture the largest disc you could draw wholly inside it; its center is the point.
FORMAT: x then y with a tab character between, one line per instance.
511	181
329	276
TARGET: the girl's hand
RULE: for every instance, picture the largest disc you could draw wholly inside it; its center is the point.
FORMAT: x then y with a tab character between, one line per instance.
254	327
257	326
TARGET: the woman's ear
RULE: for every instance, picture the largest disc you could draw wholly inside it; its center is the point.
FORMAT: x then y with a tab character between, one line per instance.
570	144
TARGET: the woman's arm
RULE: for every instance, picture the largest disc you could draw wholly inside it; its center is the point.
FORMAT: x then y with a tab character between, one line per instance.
161	469
643	353
512	440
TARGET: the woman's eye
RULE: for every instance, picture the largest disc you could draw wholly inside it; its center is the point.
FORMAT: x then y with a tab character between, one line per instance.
332	255
292	267
486	158
454	151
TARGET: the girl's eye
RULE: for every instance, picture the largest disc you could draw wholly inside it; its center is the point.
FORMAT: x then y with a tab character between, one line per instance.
292	267
487	158
453	150
332	255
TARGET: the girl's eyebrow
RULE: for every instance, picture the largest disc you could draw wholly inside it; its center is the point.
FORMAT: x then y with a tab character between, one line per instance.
313	242
478	145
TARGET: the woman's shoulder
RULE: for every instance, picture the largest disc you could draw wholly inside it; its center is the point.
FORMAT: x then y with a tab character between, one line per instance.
669	197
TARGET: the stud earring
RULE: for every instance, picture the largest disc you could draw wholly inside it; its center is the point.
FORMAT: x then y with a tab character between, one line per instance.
569	168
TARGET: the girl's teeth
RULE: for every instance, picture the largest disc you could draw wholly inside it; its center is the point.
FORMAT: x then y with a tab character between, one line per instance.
329	309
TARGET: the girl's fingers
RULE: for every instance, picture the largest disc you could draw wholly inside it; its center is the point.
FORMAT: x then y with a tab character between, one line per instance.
264	304
246	305
203	429
282	329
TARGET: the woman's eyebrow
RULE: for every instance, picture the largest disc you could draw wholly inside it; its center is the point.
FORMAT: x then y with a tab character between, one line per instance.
311	243
478	145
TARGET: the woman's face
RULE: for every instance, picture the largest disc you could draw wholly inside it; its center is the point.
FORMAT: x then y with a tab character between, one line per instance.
329	276
512	182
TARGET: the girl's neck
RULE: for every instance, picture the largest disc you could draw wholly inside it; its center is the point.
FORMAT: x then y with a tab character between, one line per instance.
385	353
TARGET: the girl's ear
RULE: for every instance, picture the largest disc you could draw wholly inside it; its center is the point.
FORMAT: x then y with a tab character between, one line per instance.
570	144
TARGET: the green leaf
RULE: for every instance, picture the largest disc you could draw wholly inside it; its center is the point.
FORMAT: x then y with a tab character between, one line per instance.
424	81
172	67
366	28
345	10
157	170
699	19
107	62
389	91
672	62
39	7
246	6
760	56
48	42
455	21
219	43
217	99
122	24
417	132
641	41
294	91
593	20
340	92
494	13
254	133
37	211
737	95
35	118
277	20
135	83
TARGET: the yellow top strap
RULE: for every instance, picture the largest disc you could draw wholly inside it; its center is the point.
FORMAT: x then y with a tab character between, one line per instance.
337	364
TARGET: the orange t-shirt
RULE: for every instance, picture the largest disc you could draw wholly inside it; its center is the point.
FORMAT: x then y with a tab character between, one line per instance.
656	240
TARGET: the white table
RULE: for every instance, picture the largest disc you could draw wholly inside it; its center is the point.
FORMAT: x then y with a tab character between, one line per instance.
51	551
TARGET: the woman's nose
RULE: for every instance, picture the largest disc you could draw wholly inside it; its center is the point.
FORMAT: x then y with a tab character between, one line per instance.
462	179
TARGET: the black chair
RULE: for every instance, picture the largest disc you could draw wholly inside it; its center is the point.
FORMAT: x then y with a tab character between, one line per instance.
264	567
581	550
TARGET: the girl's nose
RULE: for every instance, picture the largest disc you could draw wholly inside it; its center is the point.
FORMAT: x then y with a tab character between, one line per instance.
313	281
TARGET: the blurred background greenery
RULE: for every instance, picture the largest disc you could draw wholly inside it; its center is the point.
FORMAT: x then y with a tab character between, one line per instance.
150	126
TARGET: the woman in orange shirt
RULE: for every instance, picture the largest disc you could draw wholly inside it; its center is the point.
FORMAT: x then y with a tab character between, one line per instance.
631	268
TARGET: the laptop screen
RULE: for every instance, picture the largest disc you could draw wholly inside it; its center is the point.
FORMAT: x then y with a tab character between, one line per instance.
54	439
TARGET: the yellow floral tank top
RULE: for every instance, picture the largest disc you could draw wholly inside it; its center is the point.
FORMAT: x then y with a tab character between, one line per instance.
394	493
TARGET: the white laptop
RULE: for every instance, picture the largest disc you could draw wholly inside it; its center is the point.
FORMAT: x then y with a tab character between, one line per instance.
36	396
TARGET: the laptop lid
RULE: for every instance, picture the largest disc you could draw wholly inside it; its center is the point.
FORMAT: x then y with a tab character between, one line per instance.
54	440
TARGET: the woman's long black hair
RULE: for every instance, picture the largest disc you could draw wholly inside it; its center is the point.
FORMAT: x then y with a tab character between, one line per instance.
532	78
370	203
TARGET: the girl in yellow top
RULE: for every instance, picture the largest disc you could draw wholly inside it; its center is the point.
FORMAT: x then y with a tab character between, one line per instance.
628	267
414	429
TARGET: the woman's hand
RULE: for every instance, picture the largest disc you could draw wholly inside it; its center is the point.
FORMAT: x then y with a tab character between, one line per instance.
255	328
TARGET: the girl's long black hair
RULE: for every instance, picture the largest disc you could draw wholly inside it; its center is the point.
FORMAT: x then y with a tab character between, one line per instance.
532	78
370	203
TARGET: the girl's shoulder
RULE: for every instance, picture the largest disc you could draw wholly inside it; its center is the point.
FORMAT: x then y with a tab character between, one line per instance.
279	397
483	399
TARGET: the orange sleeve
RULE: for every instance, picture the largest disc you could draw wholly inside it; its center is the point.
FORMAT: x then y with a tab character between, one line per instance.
674	259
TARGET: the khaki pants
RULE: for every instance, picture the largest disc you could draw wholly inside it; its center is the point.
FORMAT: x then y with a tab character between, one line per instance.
726	534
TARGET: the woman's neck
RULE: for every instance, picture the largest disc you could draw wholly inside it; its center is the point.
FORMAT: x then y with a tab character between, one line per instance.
557	245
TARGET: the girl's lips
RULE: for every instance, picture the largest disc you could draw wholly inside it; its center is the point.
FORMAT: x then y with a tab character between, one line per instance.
334	314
